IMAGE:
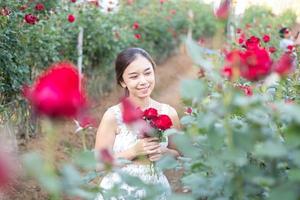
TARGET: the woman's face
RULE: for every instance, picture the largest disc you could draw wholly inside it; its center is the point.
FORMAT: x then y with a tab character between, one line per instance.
139	77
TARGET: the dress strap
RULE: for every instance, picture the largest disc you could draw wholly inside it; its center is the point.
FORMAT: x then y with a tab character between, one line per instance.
164	109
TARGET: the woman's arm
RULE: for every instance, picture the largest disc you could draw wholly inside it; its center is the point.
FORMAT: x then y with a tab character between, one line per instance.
106	137
106	134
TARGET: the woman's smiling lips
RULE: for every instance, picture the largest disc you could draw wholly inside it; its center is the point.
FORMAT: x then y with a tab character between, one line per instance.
143	90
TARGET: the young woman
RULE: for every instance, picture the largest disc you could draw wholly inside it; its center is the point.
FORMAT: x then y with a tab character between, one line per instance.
135	72
288	43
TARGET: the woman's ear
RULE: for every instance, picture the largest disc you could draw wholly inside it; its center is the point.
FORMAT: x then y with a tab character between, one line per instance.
123	84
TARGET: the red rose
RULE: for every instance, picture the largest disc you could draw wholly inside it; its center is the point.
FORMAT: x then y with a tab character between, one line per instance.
189	110
5	11
39	7
30	19
106	157
129	2
56	92
71	18
201	73
289	101
252	64
162	122
138	36
290	48
129	112
135	25
272	49
73	1
266	38
227	72
284	65
150	113
222	12
241	40
253	43
24	7
172	12
255	64
238	30
5	171
247	90
87	121
200	41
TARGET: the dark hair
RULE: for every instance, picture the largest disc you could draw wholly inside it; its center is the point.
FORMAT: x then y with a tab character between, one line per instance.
126	57
282	31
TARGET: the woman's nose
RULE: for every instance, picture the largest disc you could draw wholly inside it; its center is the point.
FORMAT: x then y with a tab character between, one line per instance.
142	80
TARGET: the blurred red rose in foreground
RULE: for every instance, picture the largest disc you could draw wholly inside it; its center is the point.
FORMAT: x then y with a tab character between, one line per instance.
222	12
252	63
272	49
56	92
106	157
266	38
256	64
8	164
247	90
284	65
130	113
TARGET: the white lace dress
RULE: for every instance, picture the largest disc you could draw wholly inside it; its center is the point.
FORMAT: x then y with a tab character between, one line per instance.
124	140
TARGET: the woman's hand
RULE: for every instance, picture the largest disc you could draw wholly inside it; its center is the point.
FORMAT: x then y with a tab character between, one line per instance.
160	152
146	146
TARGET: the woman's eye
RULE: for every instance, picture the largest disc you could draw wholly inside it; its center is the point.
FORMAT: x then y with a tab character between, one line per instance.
147	73
133	77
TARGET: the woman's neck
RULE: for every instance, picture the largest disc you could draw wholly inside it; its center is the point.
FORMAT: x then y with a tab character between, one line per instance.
142	103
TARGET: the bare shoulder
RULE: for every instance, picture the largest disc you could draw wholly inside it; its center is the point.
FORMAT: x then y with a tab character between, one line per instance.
109	116
172	111
169	110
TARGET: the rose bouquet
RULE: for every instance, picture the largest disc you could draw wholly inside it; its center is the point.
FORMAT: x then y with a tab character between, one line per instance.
158	123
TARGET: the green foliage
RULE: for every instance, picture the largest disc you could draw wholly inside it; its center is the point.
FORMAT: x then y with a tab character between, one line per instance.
245	147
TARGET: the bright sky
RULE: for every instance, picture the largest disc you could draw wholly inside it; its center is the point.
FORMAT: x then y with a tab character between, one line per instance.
276	5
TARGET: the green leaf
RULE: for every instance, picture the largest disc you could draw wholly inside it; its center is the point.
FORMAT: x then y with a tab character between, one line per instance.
167	162
187	119
270	149
181	197
44	173
192	89
285	191
185	145
85	159
294	175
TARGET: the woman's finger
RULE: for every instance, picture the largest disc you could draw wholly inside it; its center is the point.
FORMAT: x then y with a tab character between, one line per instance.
150	151
154	148
154	158
151	139
152	144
